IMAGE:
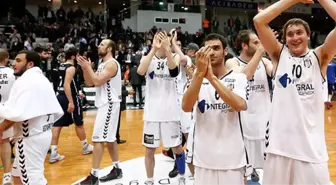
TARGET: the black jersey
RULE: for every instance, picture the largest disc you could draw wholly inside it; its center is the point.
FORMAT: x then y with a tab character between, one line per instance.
75	85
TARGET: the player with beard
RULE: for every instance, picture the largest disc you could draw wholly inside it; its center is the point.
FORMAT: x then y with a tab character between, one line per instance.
7	79
161	114
217	95
254	120
107	81
296	146
31	109
69	98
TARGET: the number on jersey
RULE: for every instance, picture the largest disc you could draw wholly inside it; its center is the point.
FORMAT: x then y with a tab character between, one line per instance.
297	71
160	65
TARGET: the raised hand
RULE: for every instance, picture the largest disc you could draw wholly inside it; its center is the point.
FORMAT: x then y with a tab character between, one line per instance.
305	1
164	39
156	42
83	62
203	60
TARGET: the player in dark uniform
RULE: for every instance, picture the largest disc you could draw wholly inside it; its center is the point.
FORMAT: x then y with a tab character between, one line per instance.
69	98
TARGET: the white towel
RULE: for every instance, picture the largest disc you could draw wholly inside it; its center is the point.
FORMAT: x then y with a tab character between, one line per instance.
31	96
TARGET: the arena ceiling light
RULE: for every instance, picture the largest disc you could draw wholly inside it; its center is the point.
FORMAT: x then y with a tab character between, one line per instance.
75	1
100	2
161	3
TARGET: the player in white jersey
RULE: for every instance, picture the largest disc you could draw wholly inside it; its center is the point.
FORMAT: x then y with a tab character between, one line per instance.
7	79
217	95
161	113
254	120
296	148
31	109
107	81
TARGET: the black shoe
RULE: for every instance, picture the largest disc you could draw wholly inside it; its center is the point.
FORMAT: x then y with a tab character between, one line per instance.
174	172
115	173
90	180
255	176
120	141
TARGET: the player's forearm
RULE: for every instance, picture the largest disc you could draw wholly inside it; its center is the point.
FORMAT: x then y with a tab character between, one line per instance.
191	95
87	79
252	66
266	16
177	50
229	97
96	80
5	125
67	91
145	61
170	60
330	7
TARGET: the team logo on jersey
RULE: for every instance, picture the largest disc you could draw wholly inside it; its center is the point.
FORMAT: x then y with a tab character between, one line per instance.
307	62
285	80
205	106
151	75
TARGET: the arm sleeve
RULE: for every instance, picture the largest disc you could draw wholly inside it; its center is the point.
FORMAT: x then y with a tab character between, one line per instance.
174	72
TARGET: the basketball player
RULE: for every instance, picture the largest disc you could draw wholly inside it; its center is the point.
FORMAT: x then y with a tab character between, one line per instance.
185	118
7	79
161	113
31	108
107	81
68	97
296	147
255	118
218	96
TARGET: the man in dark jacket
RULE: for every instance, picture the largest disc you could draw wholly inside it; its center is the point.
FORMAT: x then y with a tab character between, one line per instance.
136	81
125	93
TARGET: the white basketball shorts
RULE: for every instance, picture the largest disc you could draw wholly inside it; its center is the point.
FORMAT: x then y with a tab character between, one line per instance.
284	170
219	177
255	151
30	155
106	124
190	144
167	132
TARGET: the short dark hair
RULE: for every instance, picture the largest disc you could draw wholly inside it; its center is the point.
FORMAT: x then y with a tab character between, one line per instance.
70	52
243	37
32	56
216	36
295	21
40	49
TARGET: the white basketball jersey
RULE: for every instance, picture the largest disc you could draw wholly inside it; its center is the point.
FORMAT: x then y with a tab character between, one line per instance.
255	118
161	102
218	142
7	79
110	92
182	77
296	127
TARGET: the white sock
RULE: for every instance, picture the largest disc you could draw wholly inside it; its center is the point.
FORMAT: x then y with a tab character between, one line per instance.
150	179
116	164
84	143
181	175
94	172
7	175
53	149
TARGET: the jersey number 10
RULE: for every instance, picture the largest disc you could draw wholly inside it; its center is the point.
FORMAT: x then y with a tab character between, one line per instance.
297	71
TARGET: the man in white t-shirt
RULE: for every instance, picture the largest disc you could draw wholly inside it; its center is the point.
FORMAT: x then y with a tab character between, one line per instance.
217	95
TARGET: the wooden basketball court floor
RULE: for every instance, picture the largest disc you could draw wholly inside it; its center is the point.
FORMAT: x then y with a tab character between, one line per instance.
76	166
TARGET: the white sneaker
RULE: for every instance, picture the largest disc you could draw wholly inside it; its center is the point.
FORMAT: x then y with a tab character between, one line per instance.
149	183
181	181
88	149
56	158
7	180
